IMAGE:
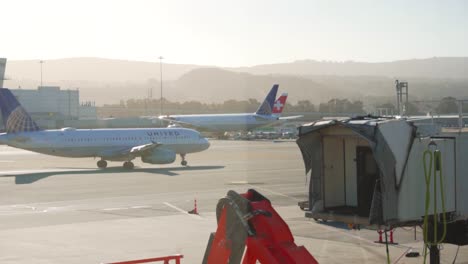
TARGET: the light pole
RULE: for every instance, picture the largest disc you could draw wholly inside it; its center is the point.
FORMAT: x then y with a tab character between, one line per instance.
160	77
41	62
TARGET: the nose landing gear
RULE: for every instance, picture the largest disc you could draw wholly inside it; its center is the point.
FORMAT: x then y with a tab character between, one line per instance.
183	162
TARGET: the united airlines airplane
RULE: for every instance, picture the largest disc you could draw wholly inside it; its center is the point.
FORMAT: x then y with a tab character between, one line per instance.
152	145
268	113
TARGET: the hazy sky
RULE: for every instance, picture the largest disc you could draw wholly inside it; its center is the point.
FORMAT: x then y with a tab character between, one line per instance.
234	33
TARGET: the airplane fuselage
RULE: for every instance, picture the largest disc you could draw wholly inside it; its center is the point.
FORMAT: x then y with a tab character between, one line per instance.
104	142
226	122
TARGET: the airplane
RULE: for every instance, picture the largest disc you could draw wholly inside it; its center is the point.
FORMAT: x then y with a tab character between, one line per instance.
268	113
152	145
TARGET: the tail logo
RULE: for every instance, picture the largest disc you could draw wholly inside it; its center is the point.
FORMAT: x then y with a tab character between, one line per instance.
267	106
264	109
278	105
20	121
15	118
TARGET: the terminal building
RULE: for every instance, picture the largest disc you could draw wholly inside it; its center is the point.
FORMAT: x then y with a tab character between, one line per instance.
49	102
52	107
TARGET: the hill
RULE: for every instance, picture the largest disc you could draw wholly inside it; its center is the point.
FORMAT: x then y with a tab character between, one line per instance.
422	68
110	81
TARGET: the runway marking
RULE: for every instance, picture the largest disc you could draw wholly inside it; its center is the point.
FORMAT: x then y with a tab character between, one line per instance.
182	211
141	207
158	197
114	209
370	242
51	209
7	161
24	206
274	192
238	182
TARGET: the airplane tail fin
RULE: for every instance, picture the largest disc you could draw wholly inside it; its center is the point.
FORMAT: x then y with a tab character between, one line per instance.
15	118
279	105
266	107
2	71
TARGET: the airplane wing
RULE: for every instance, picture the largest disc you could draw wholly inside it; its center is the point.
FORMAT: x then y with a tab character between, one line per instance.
117	154
290	117
138	150
267	118
172	122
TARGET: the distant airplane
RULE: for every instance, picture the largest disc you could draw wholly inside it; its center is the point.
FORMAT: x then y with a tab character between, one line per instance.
154	146
268	113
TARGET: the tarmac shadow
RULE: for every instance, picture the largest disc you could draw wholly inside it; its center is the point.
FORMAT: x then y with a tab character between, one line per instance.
27	178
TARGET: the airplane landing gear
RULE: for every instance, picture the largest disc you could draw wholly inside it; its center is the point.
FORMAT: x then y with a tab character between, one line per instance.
102	164
128	165
183	162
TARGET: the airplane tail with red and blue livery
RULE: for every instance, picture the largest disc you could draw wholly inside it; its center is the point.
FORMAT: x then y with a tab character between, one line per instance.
279	104
266	108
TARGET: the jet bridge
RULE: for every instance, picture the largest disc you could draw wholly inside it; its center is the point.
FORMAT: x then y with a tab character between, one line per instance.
370	171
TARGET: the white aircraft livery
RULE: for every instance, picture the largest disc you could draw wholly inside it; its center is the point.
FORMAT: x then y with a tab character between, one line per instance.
268	113
153	145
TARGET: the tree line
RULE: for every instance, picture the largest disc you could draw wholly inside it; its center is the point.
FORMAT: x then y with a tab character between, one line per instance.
139	107
152	107
447	105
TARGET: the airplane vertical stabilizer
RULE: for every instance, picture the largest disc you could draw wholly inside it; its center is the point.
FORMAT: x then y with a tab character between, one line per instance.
2	71
266	107
15	118
279	104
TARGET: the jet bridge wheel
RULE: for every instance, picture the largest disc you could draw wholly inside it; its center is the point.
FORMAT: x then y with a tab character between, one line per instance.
128	165
102	164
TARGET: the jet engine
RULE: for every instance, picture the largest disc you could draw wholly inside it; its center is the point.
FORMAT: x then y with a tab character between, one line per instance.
159	156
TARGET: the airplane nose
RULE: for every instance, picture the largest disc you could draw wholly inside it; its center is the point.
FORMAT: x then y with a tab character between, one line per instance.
206	144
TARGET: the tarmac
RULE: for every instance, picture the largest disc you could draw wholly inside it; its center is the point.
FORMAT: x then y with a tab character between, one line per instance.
64	210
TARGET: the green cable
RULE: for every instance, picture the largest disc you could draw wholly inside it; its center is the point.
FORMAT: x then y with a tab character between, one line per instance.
427	176
438	167
437	157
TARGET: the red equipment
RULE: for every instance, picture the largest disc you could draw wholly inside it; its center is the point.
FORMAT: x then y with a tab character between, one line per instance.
249	221
390	242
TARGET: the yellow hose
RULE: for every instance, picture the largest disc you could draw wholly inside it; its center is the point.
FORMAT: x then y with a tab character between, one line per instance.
437	157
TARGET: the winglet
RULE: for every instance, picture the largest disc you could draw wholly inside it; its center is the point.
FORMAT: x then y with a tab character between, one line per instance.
267	106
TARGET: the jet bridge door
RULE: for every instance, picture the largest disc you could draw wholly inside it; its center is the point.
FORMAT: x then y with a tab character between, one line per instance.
367	175
333	172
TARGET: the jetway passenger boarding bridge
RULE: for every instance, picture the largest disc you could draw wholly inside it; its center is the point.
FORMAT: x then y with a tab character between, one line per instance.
371	171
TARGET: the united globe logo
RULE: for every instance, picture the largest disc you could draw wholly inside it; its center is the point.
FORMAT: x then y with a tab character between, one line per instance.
20	121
